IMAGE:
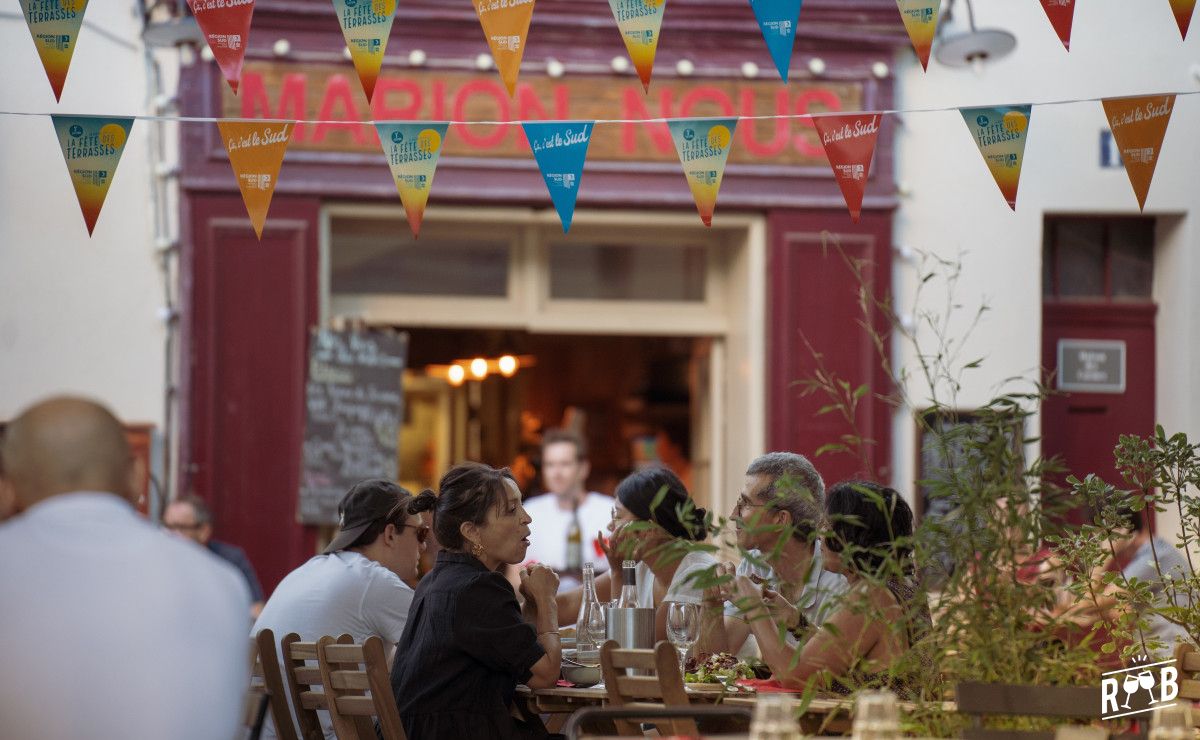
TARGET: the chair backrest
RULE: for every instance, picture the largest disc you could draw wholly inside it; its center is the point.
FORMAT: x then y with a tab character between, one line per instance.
1188	662
305	684
1065	702
356	682
256	692
663	688
266	670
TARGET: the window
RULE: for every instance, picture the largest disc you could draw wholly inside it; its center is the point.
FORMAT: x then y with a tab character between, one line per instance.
627	272
1098	259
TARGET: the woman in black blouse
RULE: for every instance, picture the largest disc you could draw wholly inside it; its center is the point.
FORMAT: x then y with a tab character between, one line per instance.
466	645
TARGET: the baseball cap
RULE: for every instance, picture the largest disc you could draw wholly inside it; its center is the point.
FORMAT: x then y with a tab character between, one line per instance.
364	504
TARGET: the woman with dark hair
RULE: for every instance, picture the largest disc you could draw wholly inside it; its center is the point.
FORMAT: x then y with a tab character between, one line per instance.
880	617
467	645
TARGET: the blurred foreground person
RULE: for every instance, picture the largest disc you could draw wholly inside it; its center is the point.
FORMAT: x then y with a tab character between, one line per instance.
112	628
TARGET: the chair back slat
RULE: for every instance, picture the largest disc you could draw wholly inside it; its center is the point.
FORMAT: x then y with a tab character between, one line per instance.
666	685
1188	662
305	683
267	667
309	676
255	690
356	706
639	687
356	679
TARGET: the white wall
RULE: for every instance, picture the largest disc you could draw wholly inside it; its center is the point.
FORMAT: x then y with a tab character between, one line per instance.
952	207
77	315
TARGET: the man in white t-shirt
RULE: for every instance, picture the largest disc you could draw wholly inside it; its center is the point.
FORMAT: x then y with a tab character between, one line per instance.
357	586
565	470
112	628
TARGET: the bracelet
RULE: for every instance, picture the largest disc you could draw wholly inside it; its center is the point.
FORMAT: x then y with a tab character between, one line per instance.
549	632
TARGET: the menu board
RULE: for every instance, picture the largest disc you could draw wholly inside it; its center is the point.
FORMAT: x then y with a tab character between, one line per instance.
354	405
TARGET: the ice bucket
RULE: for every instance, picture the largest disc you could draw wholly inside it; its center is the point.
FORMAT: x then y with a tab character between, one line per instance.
631	628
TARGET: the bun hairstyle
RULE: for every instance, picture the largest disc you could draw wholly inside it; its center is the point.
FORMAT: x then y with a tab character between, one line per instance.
639	490
467	492
424	501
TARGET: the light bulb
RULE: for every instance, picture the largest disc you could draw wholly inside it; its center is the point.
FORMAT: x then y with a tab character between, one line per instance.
416	57
749	70
456	375
282	47
555	68
483	61
685	68
620	64
508	365
479	368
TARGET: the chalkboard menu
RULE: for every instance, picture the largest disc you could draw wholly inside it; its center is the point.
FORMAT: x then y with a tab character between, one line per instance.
354	404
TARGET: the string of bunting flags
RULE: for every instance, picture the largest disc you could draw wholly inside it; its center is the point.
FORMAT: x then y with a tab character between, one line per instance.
92	148
367	24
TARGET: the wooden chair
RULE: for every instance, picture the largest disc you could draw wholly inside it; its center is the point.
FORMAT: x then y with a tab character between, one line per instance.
256	692
1188	662
1061	702
665	688
305	684
267	678
356	682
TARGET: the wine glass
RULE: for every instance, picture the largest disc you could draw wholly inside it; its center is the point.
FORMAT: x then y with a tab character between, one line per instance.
683	628
1146	681
1130	684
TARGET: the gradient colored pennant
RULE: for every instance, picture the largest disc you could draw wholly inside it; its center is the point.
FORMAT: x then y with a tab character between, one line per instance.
639	22
1000	134
226	28
777	20
1061	14
1138	126
92	147
849	142
366	25
506	24
703	146
412	151
920	20
1183	14
54	25
560	148
256	152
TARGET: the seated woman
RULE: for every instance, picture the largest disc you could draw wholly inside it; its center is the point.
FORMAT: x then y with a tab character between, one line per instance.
665	572
878	619
466	645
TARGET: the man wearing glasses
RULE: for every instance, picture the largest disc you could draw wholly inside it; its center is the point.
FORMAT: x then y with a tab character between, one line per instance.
360	584
189	517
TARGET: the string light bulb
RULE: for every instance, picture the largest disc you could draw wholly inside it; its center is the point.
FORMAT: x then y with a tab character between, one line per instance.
456	375
479	368
508	365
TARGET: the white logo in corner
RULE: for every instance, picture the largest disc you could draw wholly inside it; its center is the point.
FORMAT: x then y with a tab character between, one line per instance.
1160	679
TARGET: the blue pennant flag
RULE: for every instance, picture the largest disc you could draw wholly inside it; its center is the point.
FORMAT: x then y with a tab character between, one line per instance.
560	148
777	19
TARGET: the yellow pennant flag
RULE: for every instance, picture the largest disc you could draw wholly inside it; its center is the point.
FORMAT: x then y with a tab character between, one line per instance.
92	148
256	150
506	24
54	25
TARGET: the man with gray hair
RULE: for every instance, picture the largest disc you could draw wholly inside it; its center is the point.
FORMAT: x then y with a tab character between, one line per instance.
778	517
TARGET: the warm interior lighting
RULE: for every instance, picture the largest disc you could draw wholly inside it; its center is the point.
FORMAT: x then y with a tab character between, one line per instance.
456	375
479	368
508	365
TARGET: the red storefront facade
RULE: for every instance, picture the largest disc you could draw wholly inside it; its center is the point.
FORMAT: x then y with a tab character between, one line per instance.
250	303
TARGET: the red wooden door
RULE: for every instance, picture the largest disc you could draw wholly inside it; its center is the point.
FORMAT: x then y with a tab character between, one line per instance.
250	304
814	310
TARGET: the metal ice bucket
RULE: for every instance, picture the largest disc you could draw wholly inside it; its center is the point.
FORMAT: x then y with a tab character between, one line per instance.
631	628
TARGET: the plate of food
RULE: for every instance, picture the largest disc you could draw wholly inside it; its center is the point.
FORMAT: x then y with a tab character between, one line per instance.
718	671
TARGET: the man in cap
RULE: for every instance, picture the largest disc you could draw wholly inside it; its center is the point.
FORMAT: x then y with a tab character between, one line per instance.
358	584
111	627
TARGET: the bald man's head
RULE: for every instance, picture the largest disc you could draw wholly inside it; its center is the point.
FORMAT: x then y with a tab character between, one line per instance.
63	445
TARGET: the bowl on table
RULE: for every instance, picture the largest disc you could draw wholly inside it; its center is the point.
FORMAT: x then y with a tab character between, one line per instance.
581	668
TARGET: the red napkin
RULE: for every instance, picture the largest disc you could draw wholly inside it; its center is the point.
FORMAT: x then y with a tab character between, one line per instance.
564	684
767	686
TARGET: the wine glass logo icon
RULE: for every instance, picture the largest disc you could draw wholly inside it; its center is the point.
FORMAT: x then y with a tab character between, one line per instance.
1130	686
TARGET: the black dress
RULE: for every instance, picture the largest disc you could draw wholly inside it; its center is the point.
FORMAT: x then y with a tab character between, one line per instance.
463	652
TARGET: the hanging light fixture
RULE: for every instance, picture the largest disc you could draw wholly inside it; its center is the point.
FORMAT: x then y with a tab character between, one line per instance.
973	47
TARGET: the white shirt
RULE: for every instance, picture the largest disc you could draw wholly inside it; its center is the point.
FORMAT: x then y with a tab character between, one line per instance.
682	587
330	594
113	628
548	530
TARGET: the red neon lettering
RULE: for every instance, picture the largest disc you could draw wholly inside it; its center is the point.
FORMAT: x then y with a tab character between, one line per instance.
496	133
530	108
439	100
701	94
823	98
783	126
633	106
337	93
293	94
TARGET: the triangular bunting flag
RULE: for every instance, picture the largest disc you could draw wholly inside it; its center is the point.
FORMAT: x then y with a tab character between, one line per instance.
703	146
777	20
505	25
366	24
1138	126
639	22
1183	14
1061	13
560	148
226	27
849	144
92	148
412	151
920	20
1000	134
256	152
54	25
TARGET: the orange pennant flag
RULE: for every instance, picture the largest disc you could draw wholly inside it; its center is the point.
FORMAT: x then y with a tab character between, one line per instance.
1138	126
920	20
506	24
54	25
256	152
1183	14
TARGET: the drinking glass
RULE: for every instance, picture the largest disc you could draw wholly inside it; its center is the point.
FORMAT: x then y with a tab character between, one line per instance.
683	628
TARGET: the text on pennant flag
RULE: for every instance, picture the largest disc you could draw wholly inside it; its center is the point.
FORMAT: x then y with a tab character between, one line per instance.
226	28
640	22
777	20
506	25
850	144
366	24
1183	9
1138	126
920	20
1000	134
703	146
256	152
412	151
92	148
54	25
560	148
1061	14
